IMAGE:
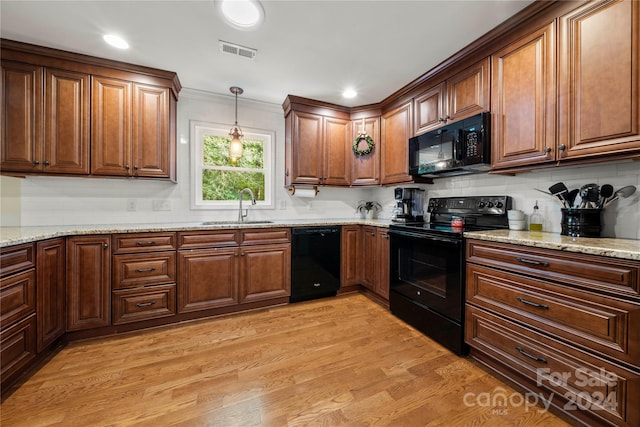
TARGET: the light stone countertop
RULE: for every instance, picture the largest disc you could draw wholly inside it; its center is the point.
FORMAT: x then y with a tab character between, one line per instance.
610	247
10	236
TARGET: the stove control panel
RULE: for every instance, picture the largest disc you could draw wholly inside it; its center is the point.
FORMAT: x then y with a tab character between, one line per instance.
483	205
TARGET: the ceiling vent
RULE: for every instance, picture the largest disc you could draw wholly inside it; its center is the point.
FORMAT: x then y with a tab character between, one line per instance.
237	50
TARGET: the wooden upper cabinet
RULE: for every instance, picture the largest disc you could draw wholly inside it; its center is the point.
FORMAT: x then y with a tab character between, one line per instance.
395	132
462	95
66	122
599	79
111	127
306	167
21	111
151	141
73	114
337	151
430	108
365	170
523	101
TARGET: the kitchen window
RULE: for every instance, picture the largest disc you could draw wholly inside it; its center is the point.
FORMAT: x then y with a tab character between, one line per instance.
217	180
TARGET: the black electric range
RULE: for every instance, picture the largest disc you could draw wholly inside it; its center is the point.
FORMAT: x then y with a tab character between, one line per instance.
427	274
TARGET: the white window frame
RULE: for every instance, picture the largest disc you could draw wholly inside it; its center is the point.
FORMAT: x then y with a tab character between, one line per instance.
198	131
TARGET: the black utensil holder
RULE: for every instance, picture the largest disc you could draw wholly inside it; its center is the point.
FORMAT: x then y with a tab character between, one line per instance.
581	222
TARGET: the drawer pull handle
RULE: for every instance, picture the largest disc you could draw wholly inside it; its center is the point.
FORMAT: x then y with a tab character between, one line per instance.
150	243
532	262
533	304
531	356
145	270
145	304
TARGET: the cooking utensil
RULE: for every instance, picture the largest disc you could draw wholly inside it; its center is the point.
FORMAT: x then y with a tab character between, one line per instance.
606	191
560	191
624	192
584	194
571	198
593	195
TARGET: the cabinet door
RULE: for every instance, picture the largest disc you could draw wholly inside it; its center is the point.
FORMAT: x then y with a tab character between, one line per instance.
21	111
151	142
430	109
111	127
365	170
265	272
66	131
396	131
306	148
207	278
382	264
337	151
50	305
369	260
351	255
88	282
599	79
468	91
523	96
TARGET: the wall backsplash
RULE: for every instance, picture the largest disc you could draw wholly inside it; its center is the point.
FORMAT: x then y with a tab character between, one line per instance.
621	219
66	201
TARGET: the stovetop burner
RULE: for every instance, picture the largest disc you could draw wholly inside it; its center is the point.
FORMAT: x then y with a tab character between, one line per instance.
452	216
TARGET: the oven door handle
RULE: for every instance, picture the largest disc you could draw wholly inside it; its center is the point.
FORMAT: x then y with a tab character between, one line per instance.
427	238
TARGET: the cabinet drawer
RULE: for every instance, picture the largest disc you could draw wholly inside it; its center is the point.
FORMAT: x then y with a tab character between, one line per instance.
17	297
207	239
143	303
574	377
595	322
265	236
16	258
17	348
134	270
143	242
617	276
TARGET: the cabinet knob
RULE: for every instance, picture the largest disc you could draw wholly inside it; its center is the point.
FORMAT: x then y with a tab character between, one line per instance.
562	147
441	119
46	163
35	163
547	149
447	117
105	246
126	167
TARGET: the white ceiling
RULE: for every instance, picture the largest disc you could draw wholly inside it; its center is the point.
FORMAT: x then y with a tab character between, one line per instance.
313	49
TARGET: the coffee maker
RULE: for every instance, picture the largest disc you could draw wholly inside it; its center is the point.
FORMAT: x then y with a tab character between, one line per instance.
409	204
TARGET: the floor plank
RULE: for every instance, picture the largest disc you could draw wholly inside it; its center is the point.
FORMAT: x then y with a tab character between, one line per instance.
342	361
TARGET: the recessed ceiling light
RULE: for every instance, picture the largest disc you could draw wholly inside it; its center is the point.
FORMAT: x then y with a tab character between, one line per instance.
116	41
349	93
242	14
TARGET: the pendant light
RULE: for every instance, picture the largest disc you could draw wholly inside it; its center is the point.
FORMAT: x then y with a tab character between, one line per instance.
235	146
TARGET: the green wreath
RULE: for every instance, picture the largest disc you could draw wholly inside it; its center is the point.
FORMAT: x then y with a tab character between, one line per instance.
356	144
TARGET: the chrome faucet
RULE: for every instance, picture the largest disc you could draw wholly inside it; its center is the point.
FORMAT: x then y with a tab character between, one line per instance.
253	202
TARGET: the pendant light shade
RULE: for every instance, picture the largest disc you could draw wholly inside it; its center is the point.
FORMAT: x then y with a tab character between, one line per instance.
235	147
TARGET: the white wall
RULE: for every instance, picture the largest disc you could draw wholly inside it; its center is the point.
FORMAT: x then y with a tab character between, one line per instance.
621	219
58	200
61	201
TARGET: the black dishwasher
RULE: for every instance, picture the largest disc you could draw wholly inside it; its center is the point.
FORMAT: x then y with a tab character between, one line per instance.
315	262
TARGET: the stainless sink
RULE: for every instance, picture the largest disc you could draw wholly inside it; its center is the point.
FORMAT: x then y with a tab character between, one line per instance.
232	222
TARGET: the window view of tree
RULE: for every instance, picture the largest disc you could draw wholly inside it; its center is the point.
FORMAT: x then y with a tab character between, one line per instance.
223	179
217	180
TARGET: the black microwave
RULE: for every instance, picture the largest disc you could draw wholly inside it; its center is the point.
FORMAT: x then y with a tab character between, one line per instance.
462	147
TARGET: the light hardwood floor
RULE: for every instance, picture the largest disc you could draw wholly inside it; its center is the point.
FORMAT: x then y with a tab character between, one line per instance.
339	361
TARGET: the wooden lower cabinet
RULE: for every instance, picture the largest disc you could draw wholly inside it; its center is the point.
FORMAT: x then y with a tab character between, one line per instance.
51	284
17	349
132	305
561	325
265	272
351	256
207	278
88	282
375	248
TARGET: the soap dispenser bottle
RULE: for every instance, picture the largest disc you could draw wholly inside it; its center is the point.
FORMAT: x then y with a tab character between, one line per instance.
536	220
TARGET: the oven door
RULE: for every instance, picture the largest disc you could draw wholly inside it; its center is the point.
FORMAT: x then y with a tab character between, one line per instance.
428	269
